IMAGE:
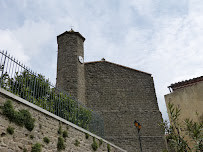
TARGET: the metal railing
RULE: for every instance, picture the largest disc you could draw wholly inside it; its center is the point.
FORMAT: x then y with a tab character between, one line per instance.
21	81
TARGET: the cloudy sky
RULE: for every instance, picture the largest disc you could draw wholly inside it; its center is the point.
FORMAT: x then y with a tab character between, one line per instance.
161	37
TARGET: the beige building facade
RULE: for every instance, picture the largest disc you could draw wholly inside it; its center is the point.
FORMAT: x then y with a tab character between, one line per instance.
188	96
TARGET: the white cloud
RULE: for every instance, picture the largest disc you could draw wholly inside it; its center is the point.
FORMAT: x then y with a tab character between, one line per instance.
160	37
34	36
8	42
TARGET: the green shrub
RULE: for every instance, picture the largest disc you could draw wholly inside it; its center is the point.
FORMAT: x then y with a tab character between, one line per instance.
87	135
46	140
108	148
21	84
21	117
60	130
24	150
65	134
60	144
8	110
94	144
10	130
100	142
36	148
76	143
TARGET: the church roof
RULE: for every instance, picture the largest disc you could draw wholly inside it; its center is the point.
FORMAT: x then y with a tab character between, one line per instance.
185	83
104	61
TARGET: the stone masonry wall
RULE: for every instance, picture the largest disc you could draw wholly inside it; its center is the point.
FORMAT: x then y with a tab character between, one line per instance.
122	95
70	72
46	125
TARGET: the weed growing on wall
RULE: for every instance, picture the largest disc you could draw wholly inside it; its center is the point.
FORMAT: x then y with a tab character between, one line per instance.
10	130
46	140
24	150
94	144
60	144
77	143
21	117
36	147
87	135
108	148
65	134
60	130
100	142
31	137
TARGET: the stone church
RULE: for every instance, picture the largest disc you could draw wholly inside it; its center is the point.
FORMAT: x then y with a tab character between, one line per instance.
120	94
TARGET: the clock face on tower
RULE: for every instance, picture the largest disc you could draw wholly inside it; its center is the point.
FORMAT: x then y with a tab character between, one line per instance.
80	59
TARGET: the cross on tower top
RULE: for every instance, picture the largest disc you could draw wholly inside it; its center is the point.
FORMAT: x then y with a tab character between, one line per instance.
71	29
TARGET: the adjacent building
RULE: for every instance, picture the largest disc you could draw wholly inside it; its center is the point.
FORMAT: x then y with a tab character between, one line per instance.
188	96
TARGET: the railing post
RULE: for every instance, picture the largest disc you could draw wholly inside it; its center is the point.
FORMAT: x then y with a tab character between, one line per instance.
3	66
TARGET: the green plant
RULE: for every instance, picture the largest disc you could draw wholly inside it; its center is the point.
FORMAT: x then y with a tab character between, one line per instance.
36	147
76	143
67	127
21	117
108	148
31	137
24	150
175	137
10	130
46	140
60	144
29	87
100	142
65	134
28	121
60	130
94	144
87	135
8	110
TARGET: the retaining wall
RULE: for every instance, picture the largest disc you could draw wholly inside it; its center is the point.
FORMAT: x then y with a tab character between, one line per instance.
46	125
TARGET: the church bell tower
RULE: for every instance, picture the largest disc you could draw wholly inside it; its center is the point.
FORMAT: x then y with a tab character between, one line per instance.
70	64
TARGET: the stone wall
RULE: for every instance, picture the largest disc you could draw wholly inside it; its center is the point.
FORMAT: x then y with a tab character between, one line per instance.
122	95
70	72
46	125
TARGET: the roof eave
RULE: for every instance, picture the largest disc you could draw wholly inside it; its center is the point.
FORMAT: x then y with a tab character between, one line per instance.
118	65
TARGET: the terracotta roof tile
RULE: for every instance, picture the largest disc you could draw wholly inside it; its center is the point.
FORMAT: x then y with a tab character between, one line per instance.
185	83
